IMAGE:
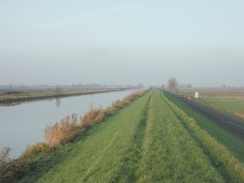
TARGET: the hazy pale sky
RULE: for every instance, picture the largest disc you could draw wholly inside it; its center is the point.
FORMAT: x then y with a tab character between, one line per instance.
122	42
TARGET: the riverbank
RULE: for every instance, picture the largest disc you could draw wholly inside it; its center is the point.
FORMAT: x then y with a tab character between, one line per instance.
56	135
17	97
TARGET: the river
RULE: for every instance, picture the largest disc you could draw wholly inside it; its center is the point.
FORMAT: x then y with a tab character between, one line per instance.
24	124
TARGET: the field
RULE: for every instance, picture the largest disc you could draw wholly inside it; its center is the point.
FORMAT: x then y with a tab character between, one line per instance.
153	139
229	101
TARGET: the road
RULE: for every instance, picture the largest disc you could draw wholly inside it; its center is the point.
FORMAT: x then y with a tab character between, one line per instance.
230	124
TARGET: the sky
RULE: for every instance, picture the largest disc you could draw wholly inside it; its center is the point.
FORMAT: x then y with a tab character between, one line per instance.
122	42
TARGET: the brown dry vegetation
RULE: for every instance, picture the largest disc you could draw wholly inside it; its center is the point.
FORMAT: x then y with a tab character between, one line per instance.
4	160
12	169
120	103
240	113
55	135
94	115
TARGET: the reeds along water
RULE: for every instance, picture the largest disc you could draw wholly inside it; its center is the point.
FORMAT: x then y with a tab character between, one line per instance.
4	159
94	115
55	134
4	156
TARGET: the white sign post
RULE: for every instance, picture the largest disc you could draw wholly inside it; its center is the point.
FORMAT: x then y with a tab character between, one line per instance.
196	95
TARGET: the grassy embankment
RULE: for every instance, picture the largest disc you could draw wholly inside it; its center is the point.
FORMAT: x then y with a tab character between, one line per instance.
11	98
36	159
150	140
228	101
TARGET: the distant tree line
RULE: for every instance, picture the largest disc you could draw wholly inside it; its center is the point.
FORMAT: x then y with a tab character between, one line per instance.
185	86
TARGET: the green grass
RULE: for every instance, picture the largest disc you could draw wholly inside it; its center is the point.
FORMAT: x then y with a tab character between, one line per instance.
228	165
169	153
231	106
150	140
232	143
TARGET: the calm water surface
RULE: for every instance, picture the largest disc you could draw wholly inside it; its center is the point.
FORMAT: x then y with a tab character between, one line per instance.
24	124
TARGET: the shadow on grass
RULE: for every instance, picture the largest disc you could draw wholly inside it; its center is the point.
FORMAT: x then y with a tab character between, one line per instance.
132	155
214	159
233	144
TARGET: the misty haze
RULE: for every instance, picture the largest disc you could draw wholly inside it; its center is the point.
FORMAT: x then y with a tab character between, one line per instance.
122	43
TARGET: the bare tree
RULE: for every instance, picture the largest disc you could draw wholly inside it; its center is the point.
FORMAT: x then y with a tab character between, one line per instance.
173	85
189	86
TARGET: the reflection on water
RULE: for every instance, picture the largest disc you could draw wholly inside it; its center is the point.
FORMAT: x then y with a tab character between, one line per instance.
23	124
58	102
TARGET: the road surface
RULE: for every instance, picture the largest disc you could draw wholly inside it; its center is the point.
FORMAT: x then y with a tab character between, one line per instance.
230	124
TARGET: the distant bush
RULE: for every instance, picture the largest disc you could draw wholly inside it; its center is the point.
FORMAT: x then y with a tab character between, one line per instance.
94	115
118	104
11	170
57	133
4	160
121	103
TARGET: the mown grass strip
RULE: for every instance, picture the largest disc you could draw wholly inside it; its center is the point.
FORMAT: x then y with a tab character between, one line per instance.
129	160
225	162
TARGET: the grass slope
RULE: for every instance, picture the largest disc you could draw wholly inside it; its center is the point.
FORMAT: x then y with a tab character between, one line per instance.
150	140
233	144
225	162
100	155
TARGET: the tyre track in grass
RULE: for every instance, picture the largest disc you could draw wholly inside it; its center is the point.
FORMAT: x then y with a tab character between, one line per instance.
212	158
221	158
165	157
95	163
233	144
132	155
